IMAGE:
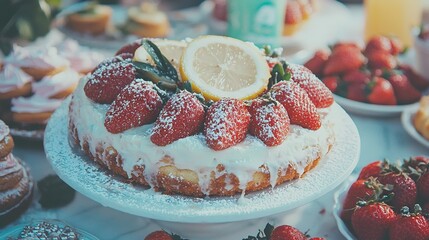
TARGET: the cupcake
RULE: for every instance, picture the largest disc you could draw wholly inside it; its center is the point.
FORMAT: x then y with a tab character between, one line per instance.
14	82
16	185
92	20
37	61
81	59
48	96
147	21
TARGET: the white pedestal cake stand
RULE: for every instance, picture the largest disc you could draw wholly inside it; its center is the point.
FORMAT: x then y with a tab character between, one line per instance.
211	215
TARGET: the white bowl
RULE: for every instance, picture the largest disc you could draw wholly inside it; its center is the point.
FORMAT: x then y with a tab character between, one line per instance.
339	197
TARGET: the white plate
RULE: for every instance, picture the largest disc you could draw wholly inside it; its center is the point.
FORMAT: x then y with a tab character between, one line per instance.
87	178
368	109
407	123
339	197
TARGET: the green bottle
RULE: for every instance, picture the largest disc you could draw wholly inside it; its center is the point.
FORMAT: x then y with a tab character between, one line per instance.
258	21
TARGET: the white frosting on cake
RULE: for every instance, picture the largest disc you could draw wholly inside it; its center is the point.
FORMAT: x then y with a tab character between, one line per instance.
51	85
12	78
35	104
300	147
36	57
4	130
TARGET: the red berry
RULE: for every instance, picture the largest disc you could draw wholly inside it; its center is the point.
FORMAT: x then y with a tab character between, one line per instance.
356	92
269	121
158	235
378	43
356	76
423	187
373	221
405	92
107	82
418	81
293	13
182	116
136	105
358	191
318	93
410	227
380	59
284	232
331	82
404	189
381	92
226	123
115	59
298	105
129	48
342	60
345	45
371	170
397	46
317	62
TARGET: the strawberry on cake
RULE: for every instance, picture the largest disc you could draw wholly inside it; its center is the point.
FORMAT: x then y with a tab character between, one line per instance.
232	120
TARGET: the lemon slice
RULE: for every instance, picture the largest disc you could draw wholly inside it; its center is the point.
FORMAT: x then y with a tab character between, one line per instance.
172	50
218	67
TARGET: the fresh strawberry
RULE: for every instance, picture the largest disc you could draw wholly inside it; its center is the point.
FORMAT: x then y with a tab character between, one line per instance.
361	190
182	116
416	80
293	13
269	121
410	226
298	105
357	76
287	232
118	58
416	166
371	221
159	235
343	60
381	92
331	82
129	48
107	82
423	187
378	43
345	45
356	92
136	105
405	92
317	62
397	46
226	123
372	170
318	93
380	59
404	189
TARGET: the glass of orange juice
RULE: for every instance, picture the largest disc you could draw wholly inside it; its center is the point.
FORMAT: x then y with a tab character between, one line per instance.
392	18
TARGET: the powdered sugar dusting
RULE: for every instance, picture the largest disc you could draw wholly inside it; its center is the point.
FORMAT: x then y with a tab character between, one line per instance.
87	178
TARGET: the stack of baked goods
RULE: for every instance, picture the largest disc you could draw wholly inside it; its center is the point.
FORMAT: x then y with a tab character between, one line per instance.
34	80
16	184
233	119
147	20
93	19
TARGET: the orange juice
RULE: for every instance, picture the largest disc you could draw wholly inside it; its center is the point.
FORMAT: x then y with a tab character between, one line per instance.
392	18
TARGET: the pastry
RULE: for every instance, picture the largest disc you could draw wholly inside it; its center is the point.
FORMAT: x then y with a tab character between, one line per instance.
93	20
49	229
16	185
14	82
421	118
37	62
81	59
147	21
297	13
189	164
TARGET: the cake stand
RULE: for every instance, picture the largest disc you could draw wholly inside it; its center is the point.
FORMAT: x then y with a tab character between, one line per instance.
211	214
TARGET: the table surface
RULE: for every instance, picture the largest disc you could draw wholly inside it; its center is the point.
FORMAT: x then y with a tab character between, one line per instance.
380	138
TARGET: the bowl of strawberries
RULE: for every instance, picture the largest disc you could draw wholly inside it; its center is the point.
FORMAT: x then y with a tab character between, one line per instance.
386	201
370	80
